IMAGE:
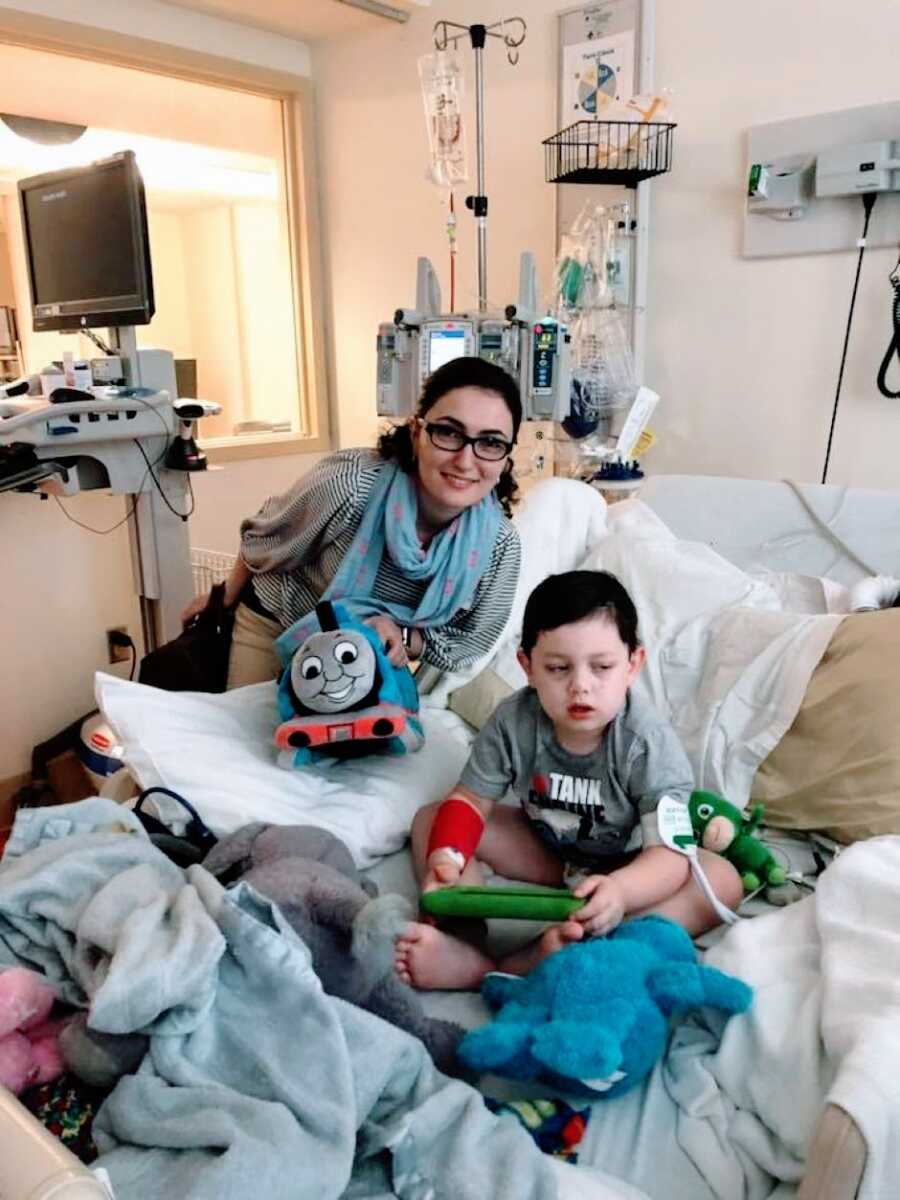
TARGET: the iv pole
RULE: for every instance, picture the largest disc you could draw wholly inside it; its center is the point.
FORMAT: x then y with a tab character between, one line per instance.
477	35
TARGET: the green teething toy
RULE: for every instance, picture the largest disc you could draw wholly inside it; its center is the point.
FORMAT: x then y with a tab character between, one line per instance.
515	903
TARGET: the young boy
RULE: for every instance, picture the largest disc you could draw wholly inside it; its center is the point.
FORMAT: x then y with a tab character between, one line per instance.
589	763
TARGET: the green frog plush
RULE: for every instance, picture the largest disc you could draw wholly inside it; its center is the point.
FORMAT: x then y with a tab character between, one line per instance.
724	829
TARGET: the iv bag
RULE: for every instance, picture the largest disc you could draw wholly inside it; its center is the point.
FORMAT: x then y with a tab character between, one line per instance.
603	374
602	360
442	97
582	275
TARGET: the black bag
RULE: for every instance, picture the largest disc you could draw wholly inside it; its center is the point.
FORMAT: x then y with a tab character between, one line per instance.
197	660
183	849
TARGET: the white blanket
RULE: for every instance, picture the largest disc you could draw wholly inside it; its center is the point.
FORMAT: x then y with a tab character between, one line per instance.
734	1120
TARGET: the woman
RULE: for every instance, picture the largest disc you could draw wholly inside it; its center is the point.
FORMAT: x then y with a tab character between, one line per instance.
410	536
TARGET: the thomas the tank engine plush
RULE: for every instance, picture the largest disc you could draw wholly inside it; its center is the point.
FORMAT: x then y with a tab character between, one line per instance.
341	697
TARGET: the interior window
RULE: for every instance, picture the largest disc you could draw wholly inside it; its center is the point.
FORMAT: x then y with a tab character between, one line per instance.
213	164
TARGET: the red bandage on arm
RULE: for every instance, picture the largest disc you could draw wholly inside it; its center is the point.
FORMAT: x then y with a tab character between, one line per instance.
456	829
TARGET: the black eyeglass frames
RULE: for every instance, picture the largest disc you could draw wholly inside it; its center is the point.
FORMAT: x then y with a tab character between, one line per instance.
486	446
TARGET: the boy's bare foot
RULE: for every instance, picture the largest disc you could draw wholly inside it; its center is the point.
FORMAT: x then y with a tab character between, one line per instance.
551	940
428	958
557	936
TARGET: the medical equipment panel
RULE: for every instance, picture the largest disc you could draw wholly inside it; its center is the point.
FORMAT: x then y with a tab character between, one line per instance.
545	372
118	440
533	348
397	371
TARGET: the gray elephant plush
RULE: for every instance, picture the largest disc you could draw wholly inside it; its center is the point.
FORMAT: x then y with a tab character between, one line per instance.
348	928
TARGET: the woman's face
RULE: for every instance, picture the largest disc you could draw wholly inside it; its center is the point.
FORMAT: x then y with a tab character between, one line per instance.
454	480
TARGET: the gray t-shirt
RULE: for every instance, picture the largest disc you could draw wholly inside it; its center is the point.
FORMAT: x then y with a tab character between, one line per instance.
585	806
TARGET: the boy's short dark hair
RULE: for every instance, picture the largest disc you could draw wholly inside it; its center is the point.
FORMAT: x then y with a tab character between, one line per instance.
574	596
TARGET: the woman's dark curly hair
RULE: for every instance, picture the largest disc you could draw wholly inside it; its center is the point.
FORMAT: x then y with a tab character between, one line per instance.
396	444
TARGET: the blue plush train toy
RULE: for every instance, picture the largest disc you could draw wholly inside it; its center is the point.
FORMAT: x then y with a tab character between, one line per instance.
341	697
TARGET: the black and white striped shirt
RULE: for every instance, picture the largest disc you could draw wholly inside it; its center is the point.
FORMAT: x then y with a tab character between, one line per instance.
296	542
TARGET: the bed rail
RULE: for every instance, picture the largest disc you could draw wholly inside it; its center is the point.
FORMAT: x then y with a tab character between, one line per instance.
837	1158
34	1165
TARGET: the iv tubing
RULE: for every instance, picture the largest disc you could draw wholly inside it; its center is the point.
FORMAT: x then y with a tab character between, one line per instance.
477	34
451	231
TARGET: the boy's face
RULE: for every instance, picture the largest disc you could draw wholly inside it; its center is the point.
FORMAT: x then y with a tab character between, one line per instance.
582	673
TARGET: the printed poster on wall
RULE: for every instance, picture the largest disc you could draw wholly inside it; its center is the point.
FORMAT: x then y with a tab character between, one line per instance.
597	73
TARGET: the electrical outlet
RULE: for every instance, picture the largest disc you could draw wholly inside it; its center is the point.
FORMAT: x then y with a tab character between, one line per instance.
116	652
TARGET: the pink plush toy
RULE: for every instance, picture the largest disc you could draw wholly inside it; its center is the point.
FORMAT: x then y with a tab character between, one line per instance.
29	1049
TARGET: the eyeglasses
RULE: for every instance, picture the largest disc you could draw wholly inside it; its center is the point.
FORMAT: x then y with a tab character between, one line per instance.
486	446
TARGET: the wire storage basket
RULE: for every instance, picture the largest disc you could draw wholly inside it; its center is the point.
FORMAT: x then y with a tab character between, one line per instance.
622	152
209	567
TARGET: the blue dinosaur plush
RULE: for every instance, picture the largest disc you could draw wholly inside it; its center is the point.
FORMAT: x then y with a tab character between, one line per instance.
593	1019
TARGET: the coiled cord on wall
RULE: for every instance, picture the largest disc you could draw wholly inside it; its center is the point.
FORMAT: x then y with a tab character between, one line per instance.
895	340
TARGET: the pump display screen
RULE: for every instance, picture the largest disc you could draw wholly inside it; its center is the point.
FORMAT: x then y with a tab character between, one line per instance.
444	345
544	348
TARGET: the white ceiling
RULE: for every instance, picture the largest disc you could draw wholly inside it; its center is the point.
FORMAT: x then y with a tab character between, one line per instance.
307	20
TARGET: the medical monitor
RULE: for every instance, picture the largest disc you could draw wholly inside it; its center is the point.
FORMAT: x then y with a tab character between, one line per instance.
444	345
442	339
87	246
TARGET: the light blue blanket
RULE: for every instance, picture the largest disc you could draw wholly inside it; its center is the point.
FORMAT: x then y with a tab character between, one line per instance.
256	1083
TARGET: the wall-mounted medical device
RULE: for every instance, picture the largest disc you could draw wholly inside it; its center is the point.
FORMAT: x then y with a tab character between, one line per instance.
851	152
532	347
782	187
859	168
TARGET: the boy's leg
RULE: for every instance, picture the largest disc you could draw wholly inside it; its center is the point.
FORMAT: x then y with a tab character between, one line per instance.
430	958
508	846
511	848
689	907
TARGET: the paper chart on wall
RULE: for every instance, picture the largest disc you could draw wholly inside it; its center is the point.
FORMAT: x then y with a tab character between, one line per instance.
596	73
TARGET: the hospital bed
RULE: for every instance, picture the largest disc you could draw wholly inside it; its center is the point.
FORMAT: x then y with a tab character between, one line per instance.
738	543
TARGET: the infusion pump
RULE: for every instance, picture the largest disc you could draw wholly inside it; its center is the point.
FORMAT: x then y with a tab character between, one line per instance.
533	349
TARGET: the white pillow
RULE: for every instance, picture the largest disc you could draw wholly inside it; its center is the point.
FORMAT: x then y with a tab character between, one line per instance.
725	664
217	752
560	525
558	522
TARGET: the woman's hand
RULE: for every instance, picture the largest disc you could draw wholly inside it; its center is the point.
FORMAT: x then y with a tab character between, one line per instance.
194	609
606	906
391	638
234	585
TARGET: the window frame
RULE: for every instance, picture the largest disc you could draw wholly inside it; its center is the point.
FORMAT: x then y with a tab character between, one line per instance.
295	92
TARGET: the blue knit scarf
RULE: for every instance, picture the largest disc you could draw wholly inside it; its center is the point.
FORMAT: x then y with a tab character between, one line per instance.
453	564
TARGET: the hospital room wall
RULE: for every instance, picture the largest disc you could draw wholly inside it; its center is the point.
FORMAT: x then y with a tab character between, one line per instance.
64	586
745	352
7	291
